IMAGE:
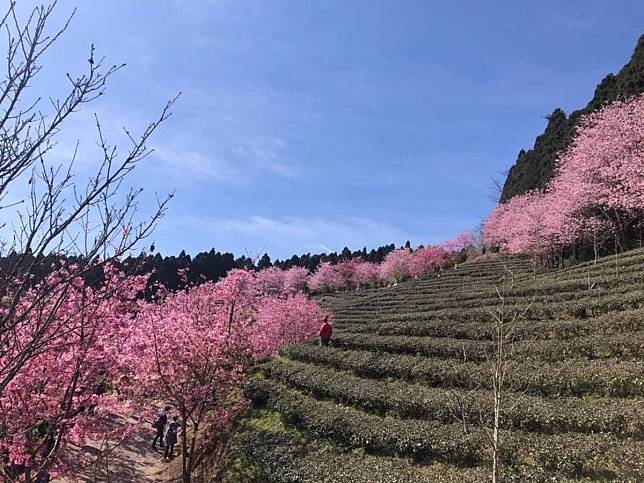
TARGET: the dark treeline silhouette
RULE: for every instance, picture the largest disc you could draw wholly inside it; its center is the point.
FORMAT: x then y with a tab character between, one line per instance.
176	272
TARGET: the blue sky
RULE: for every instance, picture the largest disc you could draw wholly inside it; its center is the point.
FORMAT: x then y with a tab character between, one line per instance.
305	126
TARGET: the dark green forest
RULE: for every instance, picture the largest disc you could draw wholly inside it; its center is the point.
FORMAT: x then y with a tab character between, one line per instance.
534	168
212	265
176	272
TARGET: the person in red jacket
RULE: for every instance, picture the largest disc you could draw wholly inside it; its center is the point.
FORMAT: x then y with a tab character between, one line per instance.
326	331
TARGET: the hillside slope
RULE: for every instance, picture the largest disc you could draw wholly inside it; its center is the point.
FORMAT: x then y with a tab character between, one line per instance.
410	363
534	168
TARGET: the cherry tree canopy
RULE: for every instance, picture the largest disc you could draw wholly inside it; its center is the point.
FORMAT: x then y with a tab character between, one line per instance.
597	190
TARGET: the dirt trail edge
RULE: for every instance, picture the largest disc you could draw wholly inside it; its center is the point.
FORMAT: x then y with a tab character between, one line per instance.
133	460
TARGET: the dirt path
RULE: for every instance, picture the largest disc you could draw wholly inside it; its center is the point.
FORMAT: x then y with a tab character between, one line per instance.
134	460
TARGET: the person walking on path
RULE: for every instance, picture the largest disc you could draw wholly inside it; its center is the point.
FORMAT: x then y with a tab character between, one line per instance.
326	331
159	425
171	438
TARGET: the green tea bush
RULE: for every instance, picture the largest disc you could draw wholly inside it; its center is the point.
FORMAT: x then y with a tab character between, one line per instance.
606	377
622	417
625	321
410	361
283	460
592	347
571	454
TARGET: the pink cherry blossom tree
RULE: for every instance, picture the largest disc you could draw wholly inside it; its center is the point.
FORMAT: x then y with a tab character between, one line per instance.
346	269
190	351
270	281
92	217
602	173
367	273
64	391
283	321
460	242
296	279
597	191
194	349
325	278
426	261
517	226
396	266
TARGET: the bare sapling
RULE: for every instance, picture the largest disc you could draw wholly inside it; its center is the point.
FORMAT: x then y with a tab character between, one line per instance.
460	406
504	355
57	216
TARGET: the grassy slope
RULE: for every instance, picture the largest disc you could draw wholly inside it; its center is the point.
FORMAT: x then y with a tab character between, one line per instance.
381	405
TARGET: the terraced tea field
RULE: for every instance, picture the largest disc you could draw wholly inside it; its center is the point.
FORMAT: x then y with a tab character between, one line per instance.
405	394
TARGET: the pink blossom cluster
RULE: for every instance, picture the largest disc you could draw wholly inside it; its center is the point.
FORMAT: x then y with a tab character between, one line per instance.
397	266
58	364
106	351
597	191
274	280
194	350
346	274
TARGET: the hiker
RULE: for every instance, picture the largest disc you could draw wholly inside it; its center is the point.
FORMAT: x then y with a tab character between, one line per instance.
171	438
159	425
326	331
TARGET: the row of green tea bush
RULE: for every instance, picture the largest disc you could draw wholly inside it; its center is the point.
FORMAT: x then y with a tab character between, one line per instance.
280	459
489	299
571	454
575	377
621	417
624	346
581	307
544	285
616	322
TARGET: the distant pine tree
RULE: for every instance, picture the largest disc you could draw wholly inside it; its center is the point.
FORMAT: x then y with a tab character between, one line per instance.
264	262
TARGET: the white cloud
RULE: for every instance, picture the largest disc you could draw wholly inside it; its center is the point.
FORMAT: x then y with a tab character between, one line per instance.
194	165
247	162
325	248
266	155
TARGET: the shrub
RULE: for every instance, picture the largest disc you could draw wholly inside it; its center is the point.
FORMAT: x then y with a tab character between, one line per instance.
587	415
568	454
607	377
